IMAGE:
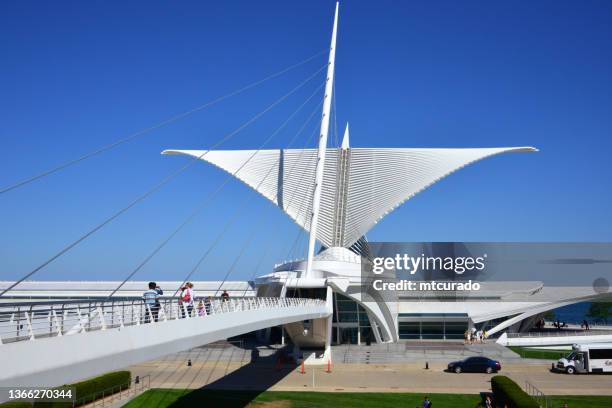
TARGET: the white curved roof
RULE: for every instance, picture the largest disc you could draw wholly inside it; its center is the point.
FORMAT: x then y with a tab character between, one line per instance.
379	180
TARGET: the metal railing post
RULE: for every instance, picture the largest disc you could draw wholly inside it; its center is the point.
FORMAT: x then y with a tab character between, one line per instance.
30	329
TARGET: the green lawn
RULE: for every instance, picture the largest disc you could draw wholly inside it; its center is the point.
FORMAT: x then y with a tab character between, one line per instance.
159	398
542	354
579	401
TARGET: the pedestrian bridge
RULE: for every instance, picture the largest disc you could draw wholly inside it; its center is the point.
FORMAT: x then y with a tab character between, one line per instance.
54	343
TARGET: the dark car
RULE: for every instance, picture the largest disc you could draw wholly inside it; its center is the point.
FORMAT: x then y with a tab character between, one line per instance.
475	365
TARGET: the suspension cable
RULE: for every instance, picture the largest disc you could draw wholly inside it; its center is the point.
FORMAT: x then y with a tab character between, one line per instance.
159	185
257	266
239	210
235	262
300	229
247	242
210	197
154	127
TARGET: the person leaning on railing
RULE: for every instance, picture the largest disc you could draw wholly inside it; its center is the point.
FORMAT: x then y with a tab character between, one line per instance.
151	300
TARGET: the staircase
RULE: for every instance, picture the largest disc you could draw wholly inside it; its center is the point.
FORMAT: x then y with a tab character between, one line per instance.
417	352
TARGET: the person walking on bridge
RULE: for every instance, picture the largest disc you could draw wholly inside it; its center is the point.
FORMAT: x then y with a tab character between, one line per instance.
186	299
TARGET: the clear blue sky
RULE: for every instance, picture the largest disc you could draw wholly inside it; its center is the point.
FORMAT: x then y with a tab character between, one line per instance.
78	75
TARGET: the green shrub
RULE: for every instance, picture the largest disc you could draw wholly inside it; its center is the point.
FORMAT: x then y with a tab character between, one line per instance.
93	389
16	404
506	391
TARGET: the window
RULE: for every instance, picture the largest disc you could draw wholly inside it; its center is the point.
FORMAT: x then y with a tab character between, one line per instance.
409	330
455	330
347	317
600	354
440	326
432	330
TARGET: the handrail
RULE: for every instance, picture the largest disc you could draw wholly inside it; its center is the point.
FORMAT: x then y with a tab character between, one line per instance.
116	393
542	399
30	321
561	333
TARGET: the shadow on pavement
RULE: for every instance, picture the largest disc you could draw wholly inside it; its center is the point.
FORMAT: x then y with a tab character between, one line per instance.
240	387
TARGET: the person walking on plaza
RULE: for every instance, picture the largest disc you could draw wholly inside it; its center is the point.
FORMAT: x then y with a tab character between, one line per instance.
151	300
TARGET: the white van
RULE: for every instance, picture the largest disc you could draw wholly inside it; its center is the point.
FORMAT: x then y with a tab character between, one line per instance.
587	358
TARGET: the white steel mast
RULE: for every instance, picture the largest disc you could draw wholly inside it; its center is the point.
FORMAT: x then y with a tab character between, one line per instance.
329	86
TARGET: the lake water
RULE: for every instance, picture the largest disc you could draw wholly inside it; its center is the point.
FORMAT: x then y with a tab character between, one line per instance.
575	313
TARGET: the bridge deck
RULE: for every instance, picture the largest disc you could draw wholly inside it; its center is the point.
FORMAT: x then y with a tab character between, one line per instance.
111	335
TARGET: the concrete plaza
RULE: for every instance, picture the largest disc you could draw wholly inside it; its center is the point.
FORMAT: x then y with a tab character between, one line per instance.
237	368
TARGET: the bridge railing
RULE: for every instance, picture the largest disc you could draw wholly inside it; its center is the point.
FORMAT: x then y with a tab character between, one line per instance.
34	320
560	333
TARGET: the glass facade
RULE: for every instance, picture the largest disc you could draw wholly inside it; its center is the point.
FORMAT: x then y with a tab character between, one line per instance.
432	326
351	324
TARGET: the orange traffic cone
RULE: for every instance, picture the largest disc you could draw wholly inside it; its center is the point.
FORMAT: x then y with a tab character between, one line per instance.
328	366
302	369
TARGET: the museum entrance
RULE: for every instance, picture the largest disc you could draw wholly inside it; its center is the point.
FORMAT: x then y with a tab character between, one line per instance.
351	324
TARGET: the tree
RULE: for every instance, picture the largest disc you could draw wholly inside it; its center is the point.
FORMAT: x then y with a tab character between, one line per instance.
600	311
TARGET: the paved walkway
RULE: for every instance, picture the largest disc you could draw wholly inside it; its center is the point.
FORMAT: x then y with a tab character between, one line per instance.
214	369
